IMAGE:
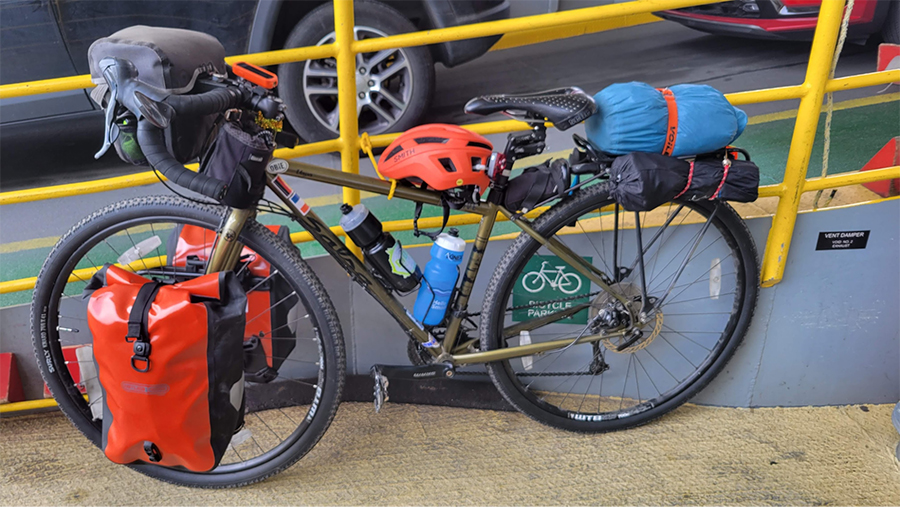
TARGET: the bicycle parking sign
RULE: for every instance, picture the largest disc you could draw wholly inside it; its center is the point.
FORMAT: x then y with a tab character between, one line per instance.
548	278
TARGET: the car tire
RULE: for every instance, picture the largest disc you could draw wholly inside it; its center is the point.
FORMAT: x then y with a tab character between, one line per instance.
890	32
309	88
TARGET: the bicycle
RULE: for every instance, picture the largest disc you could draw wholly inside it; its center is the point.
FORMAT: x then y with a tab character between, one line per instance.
568	283
643	330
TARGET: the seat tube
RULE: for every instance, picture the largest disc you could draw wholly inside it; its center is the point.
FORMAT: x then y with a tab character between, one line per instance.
465	289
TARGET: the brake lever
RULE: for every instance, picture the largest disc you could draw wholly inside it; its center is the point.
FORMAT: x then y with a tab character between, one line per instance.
111	130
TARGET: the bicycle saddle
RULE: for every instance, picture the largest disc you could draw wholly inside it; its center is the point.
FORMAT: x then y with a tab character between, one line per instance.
564	107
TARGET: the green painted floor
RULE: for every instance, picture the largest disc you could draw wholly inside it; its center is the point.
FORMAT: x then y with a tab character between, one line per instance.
857	134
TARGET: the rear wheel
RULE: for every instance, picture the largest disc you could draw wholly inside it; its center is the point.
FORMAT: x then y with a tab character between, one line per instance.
278	430
621	381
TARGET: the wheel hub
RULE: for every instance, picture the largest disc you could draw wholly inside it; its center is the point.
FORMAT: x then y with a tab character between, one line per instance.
366	84
610	313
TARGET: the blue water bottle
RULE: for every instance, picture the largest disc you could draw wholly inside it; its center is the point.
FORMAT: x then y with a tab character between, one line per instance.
440	278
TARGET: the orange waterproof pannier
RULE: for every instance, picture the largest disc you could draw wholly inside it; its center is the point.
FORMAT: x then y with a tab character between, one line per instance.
269	336
169	358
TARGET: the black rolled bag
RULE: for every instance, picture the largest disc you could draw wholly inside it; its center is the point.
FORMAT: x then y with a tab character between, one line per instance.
644	181
537	184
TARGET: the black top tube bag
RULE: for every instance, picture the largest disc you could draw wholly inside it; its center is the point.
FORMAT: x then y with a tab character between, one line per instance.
170	60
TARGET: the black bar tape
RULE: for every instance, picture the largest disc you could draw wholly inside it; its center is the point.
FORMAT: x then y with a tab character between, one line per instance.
153	144
216	101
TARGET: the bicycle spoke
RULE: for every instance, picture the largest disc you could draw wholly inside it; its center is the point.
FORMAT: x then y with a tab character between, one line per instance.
676	379
273	306
685	337
676	350
638	359
625	384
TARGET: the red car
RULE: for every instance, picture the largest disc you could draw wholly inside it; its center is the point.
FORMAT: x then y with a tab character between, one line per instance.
787	19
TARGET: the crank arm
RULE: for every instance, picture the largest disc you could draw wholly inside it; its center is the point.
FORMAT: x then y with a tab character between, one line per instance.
425	372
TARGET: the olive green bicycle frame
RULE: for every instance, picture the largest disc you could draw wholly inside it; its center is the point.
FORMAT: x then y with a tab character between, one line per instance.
226	251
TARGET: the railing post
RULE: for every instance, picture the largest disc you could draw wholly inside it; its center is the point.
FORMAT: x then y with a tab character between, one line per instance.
349	124
817	71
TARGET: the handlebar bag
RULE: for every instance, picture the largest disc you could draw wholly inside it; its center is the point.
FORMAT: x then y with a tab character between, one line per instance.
269	334
170	60
239	159
644	181
169	361
537	184
679	121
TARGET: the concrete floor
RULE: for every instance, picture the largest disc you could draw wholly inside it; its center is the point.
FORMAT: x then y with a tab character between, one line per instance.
425	455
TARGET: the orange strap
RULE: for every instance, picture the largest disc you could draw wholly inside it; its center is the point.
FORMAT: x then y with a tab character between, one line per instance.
672	129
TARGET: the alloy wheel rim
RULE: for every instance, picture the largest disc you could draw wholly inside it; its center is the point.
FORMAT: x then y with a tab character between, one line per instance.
384	86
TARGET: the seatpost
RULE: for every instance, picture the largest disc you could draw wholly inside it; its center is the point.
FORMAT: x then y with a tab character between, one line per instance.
518	145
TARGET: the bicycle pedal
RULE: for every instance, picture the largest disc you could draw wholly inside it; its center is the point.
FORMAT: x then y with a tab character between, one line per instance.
381	388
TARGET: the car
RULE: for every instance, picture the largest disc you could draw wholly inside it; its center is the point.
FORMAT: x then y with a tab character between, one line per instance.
45	39
787	19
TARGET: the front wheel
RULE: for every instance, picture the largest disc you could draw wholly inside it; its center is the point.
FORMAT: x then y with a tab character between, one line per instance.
143	235
702	283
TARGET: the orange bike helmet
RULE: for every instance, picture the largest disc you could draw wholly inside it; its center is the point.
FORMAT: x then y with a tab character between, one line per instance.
441	156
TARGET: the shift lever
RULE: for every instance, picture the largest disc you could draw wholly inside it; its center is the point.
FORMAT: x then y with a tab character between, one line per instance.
111	131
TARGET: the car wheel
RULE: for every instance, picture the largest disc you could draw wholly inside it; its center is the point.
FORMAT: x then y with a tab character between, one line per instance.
394	86
890	32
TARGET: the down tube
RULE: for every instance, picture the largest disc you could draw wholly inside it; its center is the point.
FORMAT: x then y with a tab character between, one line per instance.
354	267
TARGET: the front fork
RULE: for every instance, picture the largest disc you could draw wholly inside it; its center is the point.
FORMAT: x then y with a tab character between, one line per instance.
226	251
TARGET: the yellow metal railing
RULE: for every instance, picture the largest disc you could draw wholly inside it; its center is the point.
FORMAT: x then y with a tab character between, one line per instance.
344	49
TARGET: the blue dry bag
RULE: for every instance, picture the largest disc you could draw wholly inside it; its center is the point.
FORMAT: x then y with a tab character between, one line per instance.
635	117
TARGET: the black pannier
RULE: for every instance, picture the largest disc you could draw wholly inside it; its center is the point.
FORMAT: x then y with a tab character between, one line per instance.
644	181
537	184
170	60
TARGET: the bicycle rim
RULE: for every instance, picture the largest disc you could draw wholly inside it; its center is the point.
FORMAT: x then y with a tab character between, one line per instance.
702	274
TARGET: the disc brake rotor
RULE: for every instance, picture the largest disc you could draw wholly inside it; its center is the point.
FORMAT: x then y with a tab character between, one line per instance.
632	293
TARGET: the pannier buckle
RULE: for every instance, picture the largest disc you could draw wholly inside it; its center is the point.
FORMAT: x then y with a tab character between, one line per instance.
141	354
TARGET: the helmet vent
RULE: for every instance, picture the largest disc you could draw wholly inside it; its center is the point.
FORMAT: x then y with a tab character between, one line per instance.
397	149
478	145
431	140
448	165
